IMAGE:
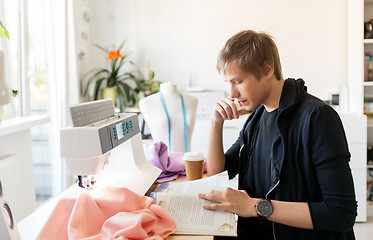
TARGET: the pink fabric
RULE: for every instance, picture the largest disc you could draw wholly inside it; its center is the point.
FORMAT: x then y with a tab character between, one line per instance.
108	213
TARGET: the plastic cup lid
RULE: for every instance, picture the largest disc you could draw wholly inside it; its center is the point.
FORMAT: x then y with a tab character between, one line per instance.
193	156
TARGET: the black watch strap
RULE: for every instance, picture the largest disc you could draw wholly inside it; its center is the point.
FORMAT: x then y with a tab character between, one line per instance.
262	219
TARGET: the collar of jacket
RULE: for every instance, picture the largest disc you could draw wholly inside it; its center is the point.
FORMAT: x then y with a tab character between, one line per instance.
292	93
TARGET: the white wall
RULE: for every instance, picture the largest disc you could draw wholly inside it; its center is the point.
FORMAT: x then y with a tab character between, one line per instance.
180	39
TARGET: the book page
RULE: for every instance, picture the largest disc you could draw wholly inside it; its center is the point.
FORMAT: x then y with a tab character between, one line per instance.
217	182
181	201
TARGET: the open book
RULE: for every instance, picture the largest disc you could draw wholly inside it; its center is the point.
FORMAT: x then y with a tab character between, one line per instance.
181	201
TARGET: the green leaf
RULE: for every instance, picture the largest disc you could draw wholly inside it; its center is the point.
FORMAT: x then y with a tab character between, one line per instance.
97	89
93	79
138	84
3	30
92	86
122	44
124	56
113	64
83	90
14	92
105	50
94	75
121	100
126	76
110	81
136	98
6	33
127	90
90	90
121	63
151	75
154	86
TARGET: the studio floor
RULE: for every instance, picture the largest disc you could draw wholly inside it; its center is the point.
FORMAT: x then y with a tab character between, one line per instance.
364	231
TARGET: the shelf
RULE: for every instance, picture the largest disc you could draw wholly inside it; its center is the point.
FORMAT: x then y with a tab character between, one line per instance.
368	84
13	125
368	41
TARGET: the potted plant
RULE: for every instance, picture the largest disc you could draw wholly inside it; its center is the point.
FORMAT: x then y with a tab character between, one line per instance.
112	81
149	86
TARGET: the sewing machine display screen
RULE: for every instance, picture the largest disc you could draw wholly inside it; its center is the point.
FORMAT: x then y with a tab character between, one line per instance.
119	130
123	129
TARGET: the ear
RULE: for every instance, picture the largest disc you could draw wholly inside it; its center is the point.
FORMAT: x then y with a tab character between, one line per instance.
268	70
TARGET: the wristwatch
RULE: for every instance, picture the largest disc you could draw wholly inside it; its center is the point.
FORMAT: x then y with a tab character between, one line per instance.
263	208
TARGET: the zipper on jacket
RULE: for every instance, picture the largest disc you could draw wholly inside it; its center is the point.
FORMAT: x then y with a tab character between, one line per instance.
270	190
273	230
239	153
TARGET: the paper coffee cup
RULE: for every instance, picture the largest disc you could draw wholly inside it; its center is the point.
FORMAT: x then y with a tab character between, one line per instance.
193	165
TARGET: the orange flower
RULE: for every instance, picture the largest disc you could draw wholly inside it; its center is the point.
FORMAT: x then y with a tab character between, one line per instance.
113	55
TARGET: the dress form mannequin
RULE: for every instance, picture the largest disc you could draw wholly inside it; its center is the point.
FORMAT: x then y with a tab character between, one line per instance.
155	116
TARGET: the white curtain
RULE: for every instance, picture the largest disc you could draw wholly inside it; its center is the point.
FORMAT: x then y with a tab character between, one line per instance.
62	78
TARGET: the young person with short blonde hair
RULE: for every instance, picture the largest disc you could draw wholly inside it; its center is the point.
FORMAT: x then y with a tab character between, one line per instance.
291	155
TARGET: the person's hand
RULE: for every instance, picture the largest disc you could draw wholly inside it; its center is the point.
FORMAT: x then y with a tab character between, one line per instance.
226	109
235	201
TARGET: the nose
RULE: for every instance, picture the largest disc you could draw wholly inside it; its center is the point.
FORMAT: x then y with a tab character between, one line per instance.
233	91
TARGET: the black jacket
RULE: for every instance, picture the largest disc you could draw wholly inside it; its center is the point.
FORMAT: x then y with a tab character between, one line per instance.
309	164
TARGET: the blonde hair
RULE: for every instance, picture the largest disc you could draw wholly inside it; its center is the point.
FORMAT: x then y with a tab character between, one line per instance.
252	50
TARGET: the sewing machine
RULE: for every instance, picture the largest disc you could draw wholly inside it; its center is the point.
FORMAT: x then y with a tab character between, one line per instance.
97	134
97	130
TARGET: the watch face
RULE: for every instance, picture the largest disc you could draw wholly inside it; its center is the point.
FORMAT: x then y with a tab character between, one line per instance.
264	208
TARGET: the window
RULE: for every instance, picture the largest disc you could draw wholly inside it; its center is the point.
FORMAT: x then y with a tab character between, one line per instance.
42	56
28	57
27	47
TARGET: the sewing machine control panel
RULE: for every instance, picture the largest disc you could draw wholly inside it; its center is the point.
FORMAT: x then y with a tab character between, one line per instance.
123	129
